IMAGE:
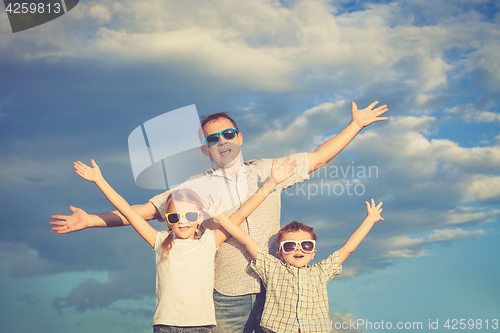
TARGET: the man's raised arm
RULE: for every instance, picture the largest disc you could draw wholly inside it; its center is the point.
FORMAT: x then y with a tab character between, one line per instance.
360	118
80	220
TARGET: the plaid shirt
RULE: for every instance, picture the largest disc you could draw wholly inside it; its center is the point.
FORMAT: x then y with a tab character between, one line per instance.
233	276
295	297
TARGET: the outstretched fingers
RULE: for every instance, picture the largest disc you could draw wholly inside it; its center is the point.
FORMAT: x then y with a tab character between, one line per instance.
288	166
284	171
212	207
79	168
374	210
371	106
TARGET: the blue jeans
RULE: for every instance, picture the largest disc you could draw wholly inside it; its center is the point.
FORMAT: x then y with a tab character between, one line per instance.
180	329
238	314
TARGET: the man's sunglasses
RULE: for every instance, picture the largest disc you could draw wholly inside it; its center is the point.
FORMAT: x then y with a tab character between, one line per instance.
290	246
228	134
174	218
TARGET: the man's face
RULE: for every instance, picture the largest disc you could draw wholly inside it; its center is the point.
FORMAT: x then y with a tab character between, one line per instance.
224	153
298	258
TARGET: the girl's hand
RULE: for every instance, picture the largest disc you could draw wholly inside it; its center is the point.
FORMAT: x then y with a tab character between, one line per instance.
214	208
284	171
88	173
374	211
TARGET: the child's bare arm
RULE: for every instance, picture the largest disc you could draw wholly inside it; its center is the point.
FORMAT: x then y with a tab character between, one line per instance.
230	228
278	175
373	215
93	174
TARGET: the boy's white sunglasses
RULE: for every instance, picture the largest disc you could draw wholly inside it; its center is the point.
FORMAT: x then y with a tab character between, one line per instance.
289	246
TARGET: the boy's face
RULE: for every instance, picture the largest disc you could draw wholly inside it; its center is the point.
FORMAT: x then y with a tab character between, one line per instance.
224	153
298	258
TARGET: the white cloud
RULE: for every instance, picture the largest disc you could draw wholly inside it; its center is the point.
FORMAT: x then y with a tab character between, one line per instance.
302	132
463	215
343	323
482	187
100	13
24	261
264	45
28	165
443	235
402	148
470	114
405	253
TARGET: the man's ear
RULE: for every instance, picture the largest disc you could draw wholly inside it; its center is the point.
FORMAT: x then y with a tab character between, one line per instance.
240	138
204	150
280	255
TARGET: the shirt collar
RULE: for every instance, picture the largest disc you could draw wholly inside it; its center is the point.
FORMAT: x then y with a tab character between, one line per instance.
241	174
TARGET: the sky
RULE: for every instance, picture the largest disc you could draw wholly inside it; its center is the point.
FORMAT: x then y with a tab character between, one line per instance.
286	71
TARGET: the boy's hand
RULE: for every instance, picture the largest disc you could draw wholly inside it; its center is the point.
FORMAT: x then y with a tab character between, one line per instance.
86	172
367	116
214	208
284	171
373	211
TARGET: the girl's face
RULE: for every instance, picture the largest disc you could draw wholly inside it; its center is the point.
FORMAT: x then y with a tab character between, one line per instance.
184	229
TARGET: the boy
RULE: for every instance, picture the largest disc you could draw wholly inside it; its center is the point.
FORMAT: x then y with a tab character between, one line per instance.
296	292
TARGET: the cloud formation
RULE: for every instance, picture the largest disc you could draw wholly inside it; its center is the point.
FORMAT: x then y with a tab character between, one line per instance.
286	71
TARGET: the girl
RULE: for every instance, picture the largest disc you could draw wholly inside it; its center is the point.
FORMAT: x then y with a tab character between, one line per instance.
184	265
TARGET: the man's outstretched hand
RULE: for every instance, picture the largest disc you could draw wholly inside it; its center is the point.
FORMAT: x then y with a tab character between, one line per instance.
368	115
68	223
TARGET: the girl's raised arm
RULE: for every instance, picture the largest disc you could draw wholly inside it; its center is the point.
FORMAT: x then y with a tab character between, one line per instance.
278	175
93	174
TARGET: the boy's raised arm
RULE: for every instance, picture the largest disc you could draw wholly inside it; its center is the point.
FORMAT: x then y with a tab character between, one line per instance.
373	215
230	226
93	174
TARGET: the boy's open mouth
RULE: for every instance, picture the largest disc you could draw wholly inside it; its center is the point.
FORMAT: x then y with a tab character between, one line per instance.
298	256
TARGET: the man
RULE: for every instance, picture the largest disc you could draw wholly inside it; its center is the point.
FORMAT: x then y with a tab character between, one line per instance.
238	296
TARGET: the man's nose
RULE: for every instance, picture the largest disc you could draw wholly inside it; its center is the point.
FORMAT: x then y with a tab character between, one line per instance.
222	141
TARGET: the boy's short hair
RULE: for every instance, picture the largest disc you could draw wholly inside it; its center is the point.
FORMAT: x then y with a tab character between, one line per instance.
212	117
294	226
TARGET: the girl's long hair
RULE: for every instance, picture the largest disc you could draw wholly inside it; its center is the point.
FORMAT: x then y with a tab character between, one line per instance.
184	195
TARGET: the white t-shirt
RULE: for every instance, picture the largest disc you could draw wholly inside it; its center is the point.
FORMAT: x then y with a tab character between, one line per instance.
185	281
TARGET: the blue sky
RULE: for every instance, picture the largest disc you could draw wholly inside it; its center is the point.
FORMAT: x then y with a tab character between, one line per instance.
74	89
